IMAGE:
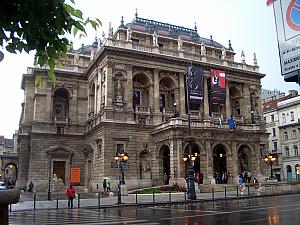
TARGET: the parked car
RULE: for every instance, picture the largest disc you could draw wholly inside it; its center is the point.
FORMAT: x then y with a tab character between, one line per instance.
3	186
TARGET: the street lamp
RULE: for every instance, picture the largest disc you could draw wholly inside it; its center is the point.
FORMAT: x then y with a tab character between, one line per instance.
191	179
121	159
252	117
270	159
49	181
176	113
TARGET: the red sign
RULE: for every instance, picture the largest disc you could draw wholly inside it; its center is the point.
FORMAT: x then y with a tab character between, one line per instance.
75	175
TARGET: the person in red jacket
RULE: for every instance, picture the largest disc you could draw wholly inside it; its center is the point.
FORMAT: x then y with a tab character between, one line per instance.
71	195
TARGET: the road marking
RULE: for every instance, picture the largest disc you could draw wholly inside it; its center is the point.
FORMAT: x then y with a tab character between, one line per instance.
236	211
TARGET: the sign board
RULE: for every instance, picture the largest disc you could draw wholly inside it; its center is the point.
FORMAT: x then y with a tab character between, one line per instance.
75	175
287	18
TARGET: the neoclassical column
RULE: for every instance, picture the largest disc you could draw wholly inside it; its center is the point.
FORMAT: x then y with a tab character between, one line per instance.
128	89
209	161
95	98
156	90
206	104
234	155
246	104
228	106
99	92
172	158
182	93
109	85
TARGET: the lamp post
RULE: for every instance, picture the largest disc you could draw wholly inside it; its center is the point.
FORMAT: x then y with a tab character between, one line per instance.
176	113
190	139
252	117
271	159
49	181
121	159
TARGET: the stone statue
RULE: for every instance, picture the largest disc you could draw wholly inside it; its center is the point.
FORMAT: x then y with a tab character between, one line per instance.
119	91
155	39
76	59
129	32
180	45
223	53
203	49
145	169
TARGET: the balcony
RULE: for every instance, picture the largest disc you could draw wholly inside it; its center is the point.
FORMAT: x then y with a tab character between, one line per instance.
61	120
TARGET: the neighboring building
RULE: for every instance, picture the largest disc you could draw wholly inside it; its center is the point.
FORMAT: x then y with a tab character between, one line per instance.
268	95
276	116
119	95
8	157
289	126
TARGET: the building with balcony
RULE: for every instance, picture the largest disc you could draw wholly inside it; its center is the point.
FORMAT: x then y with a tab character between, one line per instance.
277	116
119	95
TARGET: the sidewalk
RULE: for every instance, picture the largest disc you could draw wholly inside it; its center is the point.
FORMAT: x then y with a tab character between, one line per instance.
92	199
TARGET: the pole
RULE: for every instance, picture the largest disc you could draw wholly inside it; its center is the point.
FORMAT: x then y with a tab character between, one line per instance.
120	182
49	181
191	179
271	163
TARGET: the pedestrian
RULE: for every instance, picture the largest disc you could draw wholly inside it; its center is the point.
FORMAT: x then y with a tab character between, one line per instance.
104	186
201	178
166	179
241	181
30	187
71	193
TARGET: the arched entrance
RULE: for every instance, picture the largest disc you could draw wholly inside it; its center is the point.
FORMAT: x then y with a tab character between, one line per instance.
289	173
164	161
195	152
219	160
11	171
244	159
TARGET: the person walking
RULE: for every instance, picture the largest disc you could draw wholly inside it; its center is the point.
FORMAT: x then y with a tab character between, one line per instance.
30	187
104	187
71	195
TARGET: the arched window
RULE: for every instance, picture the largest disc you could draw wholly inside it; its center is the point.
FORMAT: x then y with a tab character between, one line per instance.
61	104
283	118
292	116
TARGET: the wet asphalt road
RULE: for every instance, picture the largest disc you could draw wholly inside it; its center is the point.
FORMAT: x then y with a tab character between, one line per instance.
267	210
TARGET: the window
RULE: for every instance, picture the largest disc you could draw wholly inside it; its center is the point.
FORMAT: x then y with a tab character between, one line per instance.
120	148
99	146
294	134
275	146
274	132
162	101
60	130
272	118
283	118
136	98
287	151
285	135
292	116
296	150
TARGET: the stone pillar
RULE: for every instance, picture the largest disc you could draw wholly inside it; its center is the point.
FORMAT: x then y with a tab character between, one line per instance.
73	105
109	85
49	103
172	158
24	158
257	159
228	106
234	156
95	98
156	90
182	93
209	162
206	104
128	89
99	92
260	104
246	104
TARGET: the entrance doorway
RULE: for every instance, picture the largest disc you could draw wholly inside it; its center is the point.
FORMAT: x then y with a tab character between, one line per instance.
59	168
289	173
219	160
164	161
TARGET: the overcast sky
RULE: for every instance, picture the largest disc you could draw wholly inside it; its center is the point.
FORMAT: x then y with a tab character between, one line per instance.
249	24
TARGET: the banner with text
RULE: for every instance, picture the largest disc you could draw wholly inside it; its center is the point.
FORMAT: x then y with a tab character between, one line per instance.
217	91
195	85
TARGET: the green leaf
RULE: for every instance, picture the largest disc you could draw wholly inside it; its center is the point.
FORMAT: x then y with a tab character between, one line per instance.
75	30
39	83
52	75
99	21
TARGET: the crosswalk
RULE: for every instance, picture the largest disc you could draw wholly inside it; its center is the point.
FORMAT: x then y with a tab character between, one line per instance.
71	216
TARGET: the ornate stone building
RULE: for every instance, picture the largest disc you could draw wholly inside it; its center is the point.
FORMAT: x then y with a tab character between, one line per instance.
118	96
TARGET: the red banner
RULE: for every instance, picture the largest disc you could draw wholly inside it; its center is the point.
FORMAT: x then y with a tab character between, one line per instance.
217	92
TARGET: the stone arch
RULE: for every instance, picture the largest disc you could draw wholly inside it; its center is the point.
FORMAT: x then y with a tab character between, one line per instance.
11	170
235	100
244	155
219	153
164	161
166	94
61	98
141	89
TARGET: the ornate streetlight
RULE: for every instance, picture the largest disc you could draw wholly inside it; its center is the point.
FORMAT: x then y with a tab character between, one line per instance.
121	159
49	181
271	159
190	175
191	179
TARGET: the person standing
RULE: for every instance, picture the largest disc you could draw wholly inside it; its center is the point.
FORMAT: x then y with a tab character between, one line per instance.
166	179
104	187
71	195
30	187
